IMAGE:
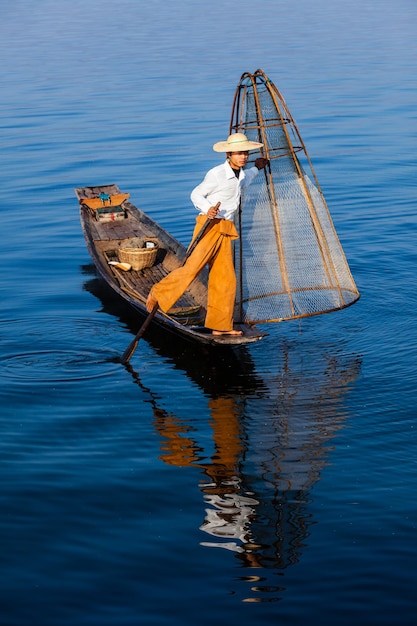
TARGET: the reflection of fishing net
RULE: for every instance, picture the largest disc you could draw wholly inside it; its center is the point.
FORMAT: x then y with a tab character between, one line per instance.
289	261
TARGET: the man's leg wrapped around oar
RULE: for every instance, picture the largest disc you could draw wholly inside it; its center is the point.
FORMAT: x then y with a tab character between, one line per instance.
214	250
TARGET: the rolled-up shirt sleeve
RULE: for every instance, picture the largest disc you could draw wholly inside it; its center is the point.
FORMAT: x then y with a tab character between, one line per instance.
200	194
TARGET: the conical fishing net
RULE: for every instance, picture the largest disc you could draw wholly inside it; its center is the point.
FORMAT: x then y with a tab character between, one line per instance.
289	261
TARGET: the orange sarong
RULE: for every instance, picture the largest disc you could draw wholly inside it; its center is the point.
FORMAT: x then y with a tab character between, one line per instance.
214	250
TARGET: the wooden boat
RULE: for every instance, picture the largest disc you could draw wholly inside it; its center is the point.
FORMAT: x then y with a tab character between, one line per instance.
110	223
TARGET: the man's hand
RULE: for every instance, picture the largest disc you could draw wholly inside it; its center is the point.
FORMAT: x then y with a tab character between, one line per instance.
261	162
213	211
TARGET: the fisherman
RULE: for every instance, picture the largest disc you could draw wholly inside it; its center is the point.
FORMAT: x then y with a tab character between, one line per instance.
217	198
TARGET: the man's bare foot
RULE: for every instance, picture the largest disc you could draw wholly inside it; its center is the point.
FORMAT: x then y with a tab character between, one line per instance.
219	333
151	302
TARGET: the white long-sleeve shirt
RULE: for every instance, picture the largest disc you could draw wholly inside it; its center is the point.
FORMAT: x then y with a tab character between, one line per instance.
220	184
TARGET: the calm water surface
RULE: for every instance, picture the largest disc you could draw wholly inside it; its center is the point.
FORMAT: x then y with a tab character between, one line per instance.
270	485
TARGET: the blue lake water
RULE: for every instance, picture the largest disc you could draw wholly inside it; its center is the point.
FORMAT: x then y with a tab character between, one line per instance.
274	484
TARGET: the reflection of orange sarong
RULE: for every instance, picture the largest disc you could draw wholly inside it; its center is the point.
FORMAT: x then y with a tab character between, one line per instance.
214	249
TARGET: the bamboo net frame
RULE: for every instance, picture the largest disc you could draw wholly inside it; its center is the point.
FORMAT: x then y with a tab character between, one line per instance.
289	261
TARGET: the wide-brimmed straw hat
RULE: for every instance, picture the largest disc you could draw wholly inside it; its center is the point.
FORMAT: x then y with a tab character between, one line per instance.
238	142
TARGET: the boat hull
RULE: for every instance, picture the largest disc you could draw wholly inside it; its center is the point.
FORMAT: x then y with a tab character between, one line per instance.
109	229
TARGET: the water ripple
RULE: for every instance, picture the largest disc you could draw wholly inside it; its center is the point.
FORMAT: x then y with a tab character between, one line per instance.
61	350
54	366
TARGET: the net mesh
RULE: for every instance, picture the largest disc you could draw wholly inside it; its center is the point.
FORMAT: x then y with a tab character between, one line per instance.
289	261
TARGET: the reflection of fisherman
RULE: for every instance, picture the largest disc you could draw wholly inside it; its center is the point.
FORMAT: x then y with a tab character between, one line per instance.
230	509
222	186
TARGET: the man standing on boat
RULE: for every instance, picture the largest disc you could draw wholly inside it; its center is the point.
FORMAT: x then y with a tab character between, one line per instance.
217	198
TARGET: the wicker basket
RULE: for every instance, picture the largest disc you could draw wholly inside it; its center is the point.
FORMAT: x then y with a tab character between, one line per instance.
135	252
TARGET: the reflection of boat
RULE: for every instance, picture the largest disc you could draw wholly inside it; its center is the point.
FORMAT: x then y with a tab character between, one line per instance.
216	372
117	232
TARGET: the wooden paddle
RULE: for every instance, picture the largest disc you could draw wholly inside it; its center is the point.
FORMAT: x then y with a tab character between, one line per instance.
132	346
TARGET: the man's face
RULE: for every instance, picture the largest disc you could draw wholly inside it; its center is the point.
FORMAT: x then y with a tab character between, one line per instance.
238	159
